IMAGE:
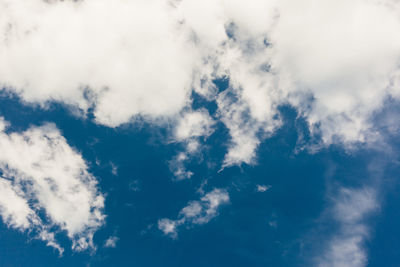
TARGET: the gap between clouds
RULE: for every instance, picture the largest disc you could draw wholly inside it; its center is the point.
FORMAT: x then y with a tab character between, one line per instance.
328	59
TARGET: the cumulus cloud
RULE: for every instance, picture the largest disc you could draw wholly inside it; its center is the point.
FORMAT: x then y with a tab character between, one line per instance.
40	172
196	212
335	51
328	59
178	168
191	126
346	248
194	124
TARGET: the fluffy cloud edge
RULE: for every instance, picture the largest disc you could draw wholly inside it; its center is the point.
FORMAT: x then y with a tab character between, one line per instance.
41	172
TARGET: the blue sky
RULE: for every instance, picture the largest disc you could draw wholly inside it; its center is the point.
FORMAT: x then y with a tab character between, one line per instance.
287	225
187	133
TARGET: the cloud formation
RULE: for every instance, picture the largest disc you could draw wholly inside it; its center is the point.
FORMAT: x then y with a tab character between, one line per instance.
330	60
196	212
41	172
346	248
191	127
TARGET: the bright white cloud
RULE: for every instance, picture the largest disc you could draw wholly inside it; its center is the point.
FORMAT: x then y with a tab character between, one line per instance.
41	172
129	54
169	226
244	129
337	52
191	127
14	208
178	168
329	59
194	124
346	248
196	212
330	52
263	188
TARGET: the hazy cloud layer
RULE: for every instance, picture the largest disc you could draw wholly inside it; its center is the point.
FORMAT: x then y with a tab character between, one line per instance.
190	128
334	61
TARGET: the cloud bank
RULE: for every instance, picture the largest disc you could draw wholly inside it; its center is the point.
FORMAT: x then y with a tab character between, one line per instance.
328	59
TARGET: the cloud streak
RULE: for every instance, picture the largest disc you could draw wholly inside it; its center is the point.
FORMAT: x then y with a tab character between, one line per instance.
346	247
196	212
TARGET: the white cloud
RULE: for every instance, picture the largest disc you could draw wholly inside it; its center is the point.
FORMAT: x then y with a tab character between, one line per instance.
16	213
331	52
196	212
41	172
194	124
191	126
346	248
114	169
131	62
122	61
353	205
14	208
178	168
244	129
111	242
335	51
169	226
263	188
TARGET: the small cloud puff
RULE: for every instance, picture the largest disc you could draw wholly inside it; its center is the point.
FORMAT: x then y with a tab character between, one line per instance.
191	126
272	52
194	124
196	212
262	188
111	242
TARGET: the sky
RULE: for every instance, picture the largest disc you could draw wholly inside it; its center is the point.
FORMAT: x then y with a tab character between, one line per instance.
199	133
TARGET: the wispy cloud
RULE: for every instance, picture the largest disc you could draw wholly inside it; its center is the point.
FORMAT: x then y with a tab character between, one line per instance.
190	128
262	188
41	172
346	247
196	212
